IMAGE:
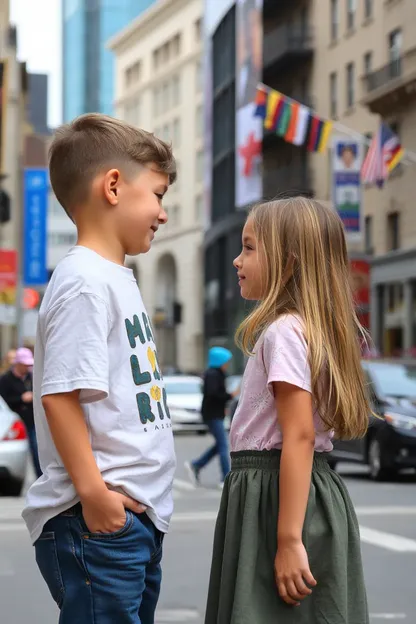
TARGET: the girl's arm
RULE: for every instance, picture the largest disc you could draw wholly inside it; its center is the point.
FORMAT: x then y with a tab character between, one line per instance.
295	410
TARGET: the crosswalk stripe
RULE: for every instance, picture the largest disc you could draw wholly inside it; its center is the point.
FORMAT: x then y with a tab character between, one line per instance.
176	615
389	541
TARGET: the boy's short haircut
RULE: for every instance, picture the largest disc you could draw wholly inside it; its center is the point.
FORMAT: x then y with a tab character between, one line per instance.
92	142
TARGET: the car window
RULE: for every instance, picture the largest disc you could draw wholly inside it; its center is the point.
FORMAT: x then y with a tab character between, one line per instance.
183	387
394	379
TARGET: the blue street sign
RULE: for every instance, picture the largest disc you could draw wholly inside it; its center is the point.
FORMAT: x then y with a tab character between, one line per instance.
35	227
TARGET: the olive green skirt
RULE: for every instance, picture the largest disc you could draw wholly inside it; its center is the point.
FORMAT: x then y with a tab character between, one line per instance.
242	587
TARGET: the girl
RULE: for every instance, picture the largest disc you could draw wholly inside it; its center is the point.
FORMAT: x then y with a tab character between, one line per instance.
287	544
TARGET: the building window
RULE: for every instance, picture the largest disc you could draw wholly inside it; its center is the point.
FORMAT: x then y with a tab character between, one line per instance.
368	9
166	95
176	46
333	88
393	231
351	6
395	53
198	30
199	122
199	208
334	19
199	166
368	63
368	235
157	101
350	85
176	90
133	74
176	132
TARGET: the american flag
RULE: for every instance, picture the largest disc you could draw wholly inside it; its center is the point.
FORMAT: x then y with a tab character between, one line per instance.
384	154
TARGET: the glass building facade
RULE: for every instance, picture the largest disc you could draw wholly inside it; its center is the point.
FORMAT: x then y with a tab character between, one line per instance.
88	67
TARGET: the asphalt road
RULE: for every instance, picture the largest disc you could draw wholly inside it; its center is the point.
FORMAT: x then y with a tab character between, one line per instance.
387	514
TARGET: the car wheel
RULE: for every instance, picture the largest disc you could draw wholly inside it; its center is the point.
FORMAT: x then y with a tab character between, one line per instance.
378	471
11	487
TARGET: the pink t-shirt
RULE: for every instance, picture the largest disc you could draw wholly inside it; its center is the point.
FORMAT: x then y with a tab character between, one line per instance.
279	355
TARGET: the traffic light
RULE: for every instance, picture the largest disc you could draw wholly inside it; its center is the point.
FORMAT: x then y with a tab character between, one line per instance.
4	207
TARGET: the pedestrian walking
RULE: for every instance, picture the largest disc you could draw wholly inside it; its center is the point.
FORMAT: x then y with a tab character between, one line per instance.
16	387
287	544
215	399
98	515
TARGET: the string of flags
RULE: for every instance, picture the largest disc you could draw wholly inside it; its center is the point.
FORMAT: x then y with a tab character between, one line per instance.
292	121
298	124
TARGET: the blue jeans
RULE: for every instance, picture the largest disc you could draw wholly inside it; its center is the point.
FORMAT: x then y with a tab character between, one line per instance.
217	429
98	578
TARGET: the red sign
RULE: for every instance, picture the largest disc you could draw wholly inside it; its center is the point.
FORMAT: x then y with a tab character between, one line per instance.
360	279
360	275
8	275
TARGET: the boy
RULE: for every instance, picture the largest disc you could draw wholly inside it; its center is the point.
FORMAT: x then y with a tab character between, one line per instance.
98	514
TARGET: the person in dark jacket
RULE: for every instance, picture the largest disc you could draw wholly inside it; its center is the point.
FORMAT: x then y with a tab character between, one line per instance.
215	399
16	390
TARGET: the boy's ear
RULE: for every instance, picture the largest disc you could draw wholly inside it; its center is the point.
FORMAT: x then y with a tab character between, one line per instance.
111	186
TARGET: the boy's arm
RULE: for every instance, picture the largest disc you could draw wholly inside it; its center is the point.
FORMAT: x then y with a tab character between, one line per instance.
76	370
103	509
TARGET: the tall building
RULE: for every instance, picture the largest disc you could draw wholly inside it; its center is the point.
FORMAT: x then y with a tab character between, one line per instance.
37	103
87	64
158	87
352	62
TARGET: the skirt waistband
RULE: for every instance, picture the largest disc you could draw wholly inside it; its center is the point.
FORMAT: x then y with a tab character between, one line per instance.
270	460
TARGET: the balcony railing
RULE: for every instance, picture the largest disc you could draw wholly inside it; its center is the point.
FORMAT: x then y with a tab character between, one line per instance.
381	77
287	41
287	181
391	86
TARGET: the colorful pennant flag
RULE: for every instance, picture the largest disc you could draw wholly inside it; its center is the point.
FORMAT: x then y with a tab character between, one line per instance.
273	100
314	132
302	123
291	130
261	103
324	135
292	121
284	119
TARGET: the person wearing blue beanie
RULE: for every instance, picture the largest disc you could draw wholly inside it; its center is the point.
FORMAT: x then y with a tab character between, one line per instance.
215	399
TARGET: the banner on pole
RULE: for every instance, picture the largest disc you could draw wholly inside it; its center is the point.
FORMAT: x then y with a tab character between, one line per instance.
248	128
347	155
36	186
8	282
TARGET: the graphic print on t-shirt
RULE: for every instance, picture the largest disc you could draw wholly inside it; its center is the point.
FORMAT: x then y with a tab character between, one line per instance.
143	377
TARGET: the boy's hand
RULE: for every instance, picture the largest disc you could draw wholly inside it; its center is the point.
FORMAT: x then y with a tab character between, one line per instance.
293	572
106	513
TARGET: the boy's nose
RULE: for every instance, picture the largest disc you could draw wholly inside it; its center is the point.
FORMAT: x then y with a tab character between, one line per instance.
237	263
163	217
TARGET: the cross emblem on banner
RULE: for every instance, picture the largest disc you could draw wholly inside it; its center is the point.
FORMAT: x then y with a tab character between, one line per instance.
248	152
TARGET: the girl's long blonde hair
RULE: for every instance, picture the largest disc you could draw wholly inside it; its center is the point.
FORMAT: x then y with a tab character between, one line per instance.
302	246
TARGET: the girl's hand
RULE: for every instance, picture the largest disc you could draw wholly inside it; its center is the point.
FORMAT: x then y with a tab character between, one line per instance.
292	573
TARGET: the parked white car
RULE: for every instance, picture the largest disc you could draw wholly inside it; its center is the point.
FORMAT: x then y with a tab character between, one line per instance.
184	395
13	452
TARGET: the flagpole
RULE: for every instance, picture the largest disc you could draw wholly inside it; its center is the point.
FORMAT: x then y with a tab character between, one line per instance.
409	157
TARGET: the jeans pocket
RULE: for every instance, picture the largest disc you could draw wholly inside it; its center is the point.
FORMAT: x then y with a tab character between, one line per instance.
48	563
109	536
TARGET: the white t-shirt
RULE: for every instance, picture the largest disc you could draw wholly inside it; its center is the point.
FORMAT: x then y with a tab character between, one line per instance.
94	335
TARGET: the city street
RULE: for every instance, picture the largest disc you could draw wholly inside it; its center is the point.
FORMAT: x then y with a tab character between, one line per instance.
387	514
